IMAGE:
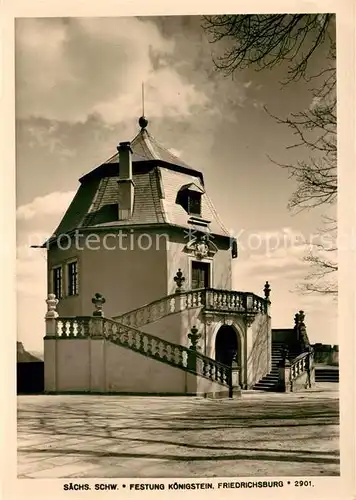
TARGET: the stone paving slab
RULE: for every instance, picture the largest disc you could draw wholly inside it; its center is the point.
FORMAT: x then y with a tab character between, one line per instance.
259	434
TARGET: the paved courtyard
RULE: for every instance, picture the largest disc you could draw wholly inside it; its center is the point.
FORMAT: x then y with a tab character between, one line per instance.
260	434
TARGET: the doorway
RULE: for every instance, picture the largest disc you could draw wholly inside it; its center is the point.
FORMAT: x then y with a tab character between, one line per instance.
200	275
226	345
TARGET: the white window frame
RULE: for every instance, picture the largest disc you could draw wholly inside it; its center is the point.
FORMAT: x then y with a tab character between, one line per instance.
206	260
52	281
68	263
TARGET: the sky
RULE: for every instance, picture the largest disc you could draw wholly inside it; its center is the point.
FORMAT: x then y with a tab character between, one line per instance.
78	94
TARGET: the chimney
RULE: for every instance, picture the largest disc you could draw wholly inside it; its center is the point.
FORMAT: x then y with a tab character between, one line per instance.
126	184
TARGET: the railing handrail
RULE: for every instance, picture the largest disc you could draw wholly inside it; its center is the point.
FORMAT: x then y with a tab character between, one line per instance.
295	370
157	301
60	318
299	357
186	293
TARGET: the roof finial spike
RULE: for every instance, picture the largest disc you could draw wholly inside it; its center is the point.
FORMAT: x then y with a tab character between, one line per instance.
143	99
143	122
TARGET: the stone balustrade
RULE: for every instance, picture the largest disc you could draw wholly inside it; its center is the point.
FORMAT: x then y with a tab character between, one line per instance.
299	365
212	300
173	354
148	345
213	370
298	373
77	326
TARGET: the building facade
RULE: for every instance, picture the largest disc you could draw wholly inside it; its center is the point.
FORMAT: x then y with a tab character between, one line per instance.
143	245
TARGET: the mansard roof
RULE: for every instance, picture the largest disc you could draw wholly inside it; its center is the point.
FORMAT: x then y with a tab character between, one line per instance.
158	177
145	148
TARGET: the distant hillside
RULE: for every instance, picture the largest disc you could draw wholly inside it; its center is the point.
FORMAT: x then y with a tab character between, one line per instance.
25	357
37	354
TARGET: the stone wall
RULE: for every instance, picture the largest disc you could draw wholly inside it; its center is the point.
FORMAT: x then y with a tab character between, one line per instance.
128	275
284	335
326	354
99	366
302	382
178	258
258	355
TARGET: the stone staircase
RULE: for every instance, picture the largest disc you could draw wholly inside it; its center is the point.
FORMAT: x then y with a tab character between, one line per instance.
209	299
270	381
327	374
178	356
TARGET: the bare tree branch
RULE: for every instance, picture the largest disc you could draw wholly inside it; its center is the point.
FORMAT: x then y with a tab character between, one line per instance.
264	42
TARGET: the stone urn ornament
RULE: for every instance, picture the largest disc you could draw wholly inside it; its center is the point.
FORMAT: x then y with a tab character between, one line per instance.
267	290
98	300
52	302
179	280
194	337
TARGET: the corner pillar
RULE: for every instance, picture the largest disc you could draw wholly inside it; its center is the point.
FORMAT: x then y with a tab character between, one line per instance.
50	345
235	389
284	373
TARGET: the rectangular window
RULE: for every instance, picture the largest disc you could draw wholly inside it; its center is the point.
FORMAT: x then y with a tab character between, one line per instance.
73	278
200	274
57	281
194	203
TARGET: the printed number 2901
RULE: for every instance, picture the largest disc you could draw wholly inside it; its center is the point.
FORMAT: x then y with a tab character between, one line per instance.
303	483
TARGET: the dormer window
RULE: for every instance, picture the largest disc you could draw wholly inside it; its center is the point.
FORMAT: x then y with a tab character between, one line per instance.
194	203
189	197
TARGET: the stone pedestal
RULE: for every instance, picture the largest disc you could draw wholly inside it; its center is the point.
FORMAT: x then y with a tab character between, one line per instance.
284	376
192	361
235	389
50	364
97	365
50	345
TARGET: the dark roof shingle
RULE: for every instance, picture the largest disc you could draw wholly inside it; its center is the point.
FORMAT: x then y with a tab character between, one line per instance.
158	176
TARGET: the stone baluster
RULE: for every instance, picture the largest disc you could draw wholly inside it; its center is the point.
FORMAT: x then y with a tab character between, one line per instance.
149	346
72	327
249	311
179	356
164	351
80	327
157	352
172	305
51	316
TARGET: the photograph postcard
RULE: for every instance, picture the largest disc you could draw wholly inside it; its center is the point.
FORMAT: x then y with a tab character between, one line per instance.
179	211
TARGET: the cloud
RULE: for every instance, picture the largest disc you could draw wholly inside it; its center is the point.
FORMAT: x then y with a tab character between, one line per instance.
94	65
284	270
36	223
36	220
279	260
51	204
31	271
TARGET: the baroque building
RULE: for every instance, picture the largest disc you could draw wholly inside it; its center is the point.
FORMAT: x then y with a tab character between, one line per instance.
142	244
